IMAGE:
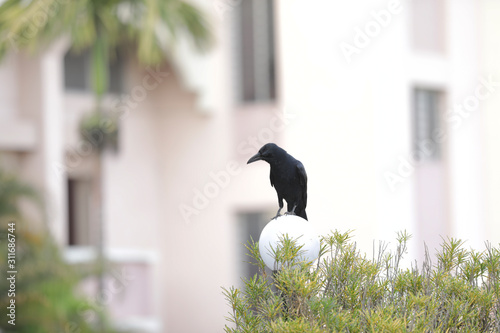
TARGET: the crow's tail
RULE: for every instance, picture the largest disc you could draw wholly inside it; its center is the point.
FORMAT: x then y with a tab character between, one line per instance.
302	213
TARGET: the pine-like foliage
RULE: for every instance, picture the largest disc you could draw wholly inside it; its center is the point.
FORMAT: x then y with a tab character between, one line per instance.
345	291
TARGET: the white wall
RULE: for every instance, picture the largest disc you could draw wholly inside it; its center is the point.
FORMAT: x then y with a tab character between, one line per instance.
353	115
490	122
465	155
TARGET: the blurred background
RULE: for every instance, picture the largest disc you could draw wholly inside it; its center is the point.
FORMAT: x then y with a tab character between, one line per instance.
134	121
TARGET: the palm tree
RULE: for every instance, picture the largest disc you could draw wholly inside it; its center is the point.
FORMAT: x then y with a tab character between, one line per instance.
151	27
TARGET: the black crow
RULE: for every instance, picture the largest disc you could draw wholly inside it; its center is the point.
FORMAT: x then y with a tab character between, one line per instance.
288	177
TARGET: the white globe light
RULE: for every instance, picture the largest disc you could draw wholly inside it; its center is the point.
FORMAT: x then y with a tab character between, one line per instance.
296	228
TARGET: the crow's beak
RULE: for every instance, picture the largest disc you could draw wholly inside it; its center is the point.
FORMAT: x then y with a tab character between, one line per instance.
254	158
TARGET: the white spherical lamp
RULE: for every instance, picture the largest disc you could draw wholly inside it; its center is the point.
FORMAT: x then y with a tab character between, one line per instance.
295	228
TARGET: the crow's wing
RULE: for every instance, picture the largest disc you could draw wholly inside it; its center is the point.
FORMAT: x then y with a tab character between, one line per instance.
302	181
271	177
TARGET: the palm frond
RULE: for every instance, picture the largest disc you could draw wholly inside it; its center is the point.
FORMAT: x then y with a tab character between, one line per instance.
152	25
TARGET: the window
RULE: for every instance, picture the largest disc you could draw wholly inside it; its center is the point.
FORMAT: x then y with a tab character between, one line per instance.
79	226
77	72
426	124
255	51
250	226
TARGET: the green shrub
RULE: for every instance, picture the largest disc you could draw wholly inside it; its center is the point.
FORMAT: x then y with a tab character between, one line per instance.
344	291
44	293
42	290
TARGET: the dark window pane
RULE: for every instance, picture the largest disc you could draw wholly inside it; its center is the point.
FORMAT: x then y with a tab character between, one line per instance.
256	51
116	67
426	123
271	55
247	51
79	226
76	70
250	225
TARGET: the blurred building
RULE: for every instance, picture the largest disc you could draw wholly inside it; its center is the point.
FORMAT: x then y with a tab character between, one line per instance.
392	106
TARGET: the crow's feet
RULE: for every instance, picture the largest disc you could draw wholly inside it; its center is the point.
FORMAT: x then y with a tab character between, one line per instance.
292	212
277	214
